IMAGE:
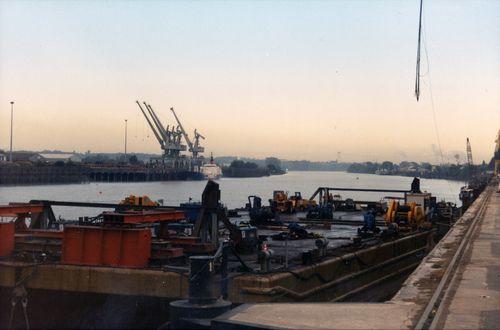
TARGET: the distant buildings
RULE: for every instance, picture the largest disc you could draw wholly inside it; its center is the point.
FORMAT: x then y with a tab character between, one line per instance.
35	157
62	157
3	156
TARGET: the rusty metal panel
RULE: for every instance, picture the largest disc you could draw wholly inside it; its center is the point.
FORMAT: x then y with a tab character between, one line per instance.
120	247
7	230
134	217
14	209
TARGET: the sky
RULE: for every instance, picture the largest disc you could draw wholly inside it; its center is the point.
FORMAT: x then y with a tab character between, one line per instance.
309	80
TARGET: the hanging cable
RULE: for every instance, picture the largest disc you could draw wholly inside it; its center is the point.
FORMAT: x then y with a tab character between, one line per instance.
417	76
436	129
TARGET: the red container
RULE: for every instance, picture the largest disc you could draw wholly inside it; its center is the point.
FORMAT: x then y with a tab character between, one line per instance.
7	230
96	246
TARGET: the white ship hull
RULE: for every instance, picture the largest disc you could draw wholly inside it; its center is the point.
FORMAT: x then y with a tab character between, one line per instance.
211	171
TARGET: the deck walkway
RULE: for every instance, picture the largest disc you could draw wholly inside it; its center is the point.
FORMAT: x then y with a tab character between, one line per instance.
473	301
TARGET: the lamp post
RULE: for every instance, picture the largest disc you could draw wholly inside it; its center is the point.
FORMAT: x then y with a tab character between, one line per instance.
11	125
126	140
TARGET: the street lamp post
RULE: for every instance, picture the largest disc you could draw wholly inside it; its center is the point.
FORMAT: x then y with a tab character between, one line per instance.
11	125
126	140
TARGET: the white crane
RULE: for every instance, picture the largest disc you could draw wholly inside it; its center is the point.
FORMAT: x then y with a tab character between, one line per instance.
195	148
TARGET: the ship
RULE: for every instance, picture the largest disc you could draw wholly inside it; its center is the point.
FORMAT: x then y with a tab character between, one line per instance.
211	171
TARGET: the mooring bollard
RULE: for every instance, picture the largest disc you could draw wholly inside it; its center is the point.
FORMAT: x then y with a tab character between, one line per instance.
265	259
201	289
202	304
321	244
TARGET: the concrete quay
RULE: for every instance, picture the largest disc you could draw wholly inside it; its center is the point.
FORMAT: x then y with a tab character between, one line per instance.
457	286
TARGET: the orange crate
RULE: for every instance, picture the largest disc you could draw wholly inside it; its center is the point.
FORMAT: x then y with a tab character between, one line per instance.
120	247
7	230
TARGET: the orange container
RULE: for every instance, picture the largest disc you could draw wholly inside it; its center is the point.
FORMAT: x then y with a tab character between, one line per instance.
119	247
7	230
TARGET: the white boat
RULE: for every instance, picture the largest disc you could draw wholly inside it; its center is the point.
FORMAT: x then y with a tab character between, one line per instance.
211	171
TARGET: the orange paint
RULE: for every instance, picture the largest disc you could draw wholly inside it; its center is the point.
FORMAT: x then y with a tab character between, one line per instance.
95	246
7	230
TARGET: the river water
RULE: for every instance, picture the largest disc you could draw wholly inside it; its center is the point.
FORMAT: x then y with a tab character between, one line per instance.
234	191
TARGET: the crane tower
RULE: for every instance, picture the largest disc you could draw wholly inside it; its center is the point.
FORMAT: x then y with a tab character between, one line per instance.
497	155
170	140
470	163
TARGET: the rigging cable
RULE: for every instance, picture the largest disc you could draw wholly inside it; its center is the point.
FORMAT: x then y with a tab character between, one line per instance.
434	120
417	76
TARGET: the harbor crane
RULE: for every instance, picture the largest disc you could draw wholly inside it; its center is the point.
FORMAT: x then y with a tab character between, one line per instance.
169	140
497	154
195	148
470	163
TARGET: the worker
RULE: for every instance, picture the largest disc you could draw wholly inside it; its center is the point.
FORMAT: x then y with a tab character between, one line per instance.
369	221
369	227
415	185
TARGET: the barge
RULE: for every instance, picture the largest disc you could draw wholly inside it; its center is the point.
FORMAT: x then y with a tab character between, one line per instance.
124	267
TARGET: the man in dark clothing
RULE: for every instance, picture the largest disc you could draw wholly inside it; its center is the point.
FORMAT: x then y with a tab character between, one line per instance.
415	185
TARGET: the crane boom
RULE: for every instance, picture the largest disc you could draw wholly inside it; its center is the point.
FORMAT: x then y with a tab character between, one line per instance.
183	131
157	122
152	127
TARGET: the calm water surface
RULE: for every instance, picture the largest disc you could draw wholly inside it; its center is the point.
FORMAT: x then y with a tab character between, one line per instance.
234	191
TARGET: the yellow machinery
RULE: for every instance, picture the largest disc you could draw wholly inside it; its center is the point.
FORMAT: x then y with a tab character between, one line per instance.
301	204
407	214
281	203
138	201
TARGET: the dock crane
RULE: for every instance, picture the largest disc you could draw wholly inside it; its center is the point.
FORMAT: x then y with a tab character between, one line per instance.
470	163
497	154
195	148
197	137
155	132
170	140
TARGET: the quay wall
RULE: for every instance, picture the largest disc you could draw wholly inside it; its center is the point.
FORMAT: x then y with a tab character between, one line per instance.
27	173
32	173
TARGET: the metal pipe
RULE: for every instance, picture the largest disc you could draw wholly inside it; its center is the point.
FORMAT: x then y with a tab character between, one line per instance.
126	140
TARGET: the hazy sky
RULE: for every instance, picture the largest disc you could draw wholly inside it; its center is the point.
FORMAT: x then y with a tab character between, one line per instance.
296	80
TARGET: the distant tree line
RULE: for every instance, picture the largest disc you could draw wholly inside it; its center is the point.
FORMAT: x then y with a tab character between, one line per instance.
243	169
424	170
291	165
